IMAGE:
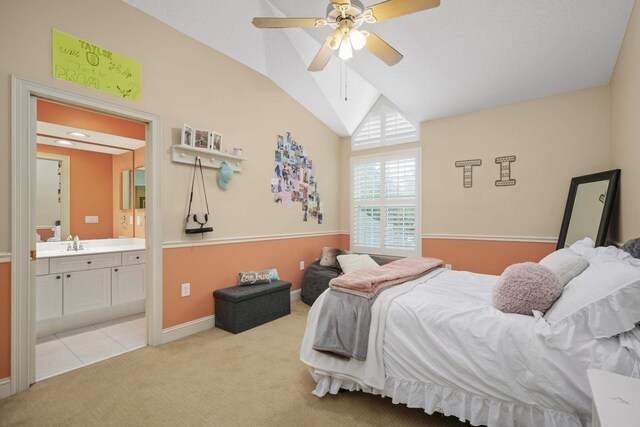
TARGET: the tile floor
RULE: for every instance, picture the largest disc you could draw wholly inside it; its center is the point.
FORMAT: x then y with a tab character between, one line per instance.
65	351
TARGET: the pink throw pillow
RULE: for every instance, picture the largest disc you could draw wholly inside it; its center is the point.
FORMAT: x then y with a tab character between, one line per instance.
525	287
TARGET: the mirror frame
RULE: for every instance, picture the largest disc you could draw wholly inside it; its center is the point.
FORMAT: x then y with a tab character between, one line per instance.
613	176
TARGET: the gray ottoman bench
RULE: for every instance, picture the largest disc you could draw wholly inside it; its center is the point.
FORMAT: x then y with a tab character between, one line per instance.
239	308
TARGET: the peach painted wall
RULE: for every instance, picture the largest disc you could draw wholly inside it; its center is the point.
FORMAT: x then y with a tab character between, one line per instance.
213	267
484	256
345	241
52	112
5	319
91	191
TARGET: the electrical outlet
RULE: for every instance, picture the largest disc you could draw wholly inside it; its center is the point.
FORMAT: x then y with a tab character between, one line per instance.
448	266
301	265
185	290
91	219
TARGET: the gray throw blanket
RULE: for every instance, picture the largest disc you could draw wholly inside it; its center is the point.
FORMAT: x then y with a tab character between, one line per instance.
343	325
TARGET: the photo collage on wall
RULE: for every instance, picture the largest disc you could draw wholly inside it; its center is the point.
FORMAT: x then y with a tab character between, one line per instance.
295	179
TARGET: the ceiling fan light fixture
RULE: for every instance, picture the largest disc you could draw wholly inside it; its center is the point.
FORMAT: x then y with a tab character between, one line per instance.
357	38
346	51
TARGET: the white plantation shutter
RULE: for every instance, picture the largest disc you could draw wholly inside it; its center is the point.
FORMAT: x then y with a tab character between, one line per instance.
369	133
398	129
384	125
385	204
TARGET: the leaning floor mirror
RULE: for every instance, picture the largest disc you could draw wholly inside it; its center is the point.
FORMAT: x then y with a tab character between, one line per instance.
589	207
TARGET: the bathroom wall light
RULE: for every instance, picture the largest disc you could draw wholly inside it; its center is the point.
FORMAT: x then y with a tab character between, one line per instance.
64	142
78	134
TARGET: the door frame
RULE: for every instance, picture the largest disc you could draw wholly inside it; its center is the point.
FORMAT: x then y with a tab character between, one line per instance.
23	160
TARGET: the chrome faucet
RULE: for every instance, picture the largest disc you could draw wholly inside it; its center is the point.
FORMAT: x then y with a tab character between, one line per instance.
77	246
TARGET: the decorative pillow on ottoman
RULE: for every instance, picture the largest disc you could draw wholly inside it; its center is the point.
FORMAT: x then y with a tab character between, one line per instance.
254	277
525	287
330	257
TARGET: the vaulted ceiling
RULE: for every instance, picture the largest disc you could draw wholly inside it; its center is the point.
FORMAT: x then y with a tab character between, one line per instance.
463	56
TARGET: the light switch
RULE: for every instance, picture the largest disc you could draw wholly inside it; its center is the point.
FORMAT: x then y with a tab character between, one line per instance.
93	219
131	219
138	220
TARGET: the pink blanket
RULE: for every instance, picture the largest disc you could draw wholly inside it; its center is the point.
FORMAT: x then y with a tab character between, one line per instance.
368	283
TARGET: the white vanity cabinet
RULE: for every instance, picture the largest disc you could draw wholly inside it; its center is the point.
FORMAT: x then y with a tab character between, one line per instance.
48	296
127	283
79	290
86	290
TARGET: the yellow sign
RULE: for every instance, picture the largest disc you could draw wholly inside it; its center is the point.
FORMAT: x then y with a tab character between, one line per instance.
86	64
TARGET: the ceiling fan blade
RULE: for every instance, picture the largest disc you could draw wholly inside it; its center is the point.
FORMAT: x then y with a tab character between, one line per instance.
393	8
382	50
288	22
323	56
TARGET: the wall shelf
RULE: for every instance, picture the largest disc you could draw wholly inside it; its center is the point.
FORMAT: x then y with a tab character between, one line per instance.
210	159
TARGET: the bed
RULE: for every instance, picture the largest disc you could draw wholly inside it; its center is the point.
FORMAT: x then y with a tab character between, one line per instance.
437	343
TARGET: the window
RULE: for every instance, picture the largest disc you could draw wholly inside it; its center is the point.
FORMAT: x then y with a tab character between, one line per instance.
385	203
384	125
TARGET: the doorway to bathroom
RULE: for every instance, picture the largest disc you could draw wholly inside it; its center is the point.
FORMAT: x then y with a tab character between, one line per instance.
98	241
90	203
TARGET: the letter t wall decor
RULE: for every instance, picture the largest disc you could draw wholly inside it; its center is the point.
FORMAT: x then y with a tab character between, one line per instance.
467	177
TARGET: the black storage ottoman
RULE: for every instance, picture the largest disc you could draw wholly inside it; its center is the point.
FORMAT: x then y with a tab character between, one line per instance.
239	308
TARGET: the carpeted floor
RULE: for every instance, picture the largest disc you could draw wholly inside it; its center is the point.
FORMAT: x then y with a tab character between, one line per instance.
211	378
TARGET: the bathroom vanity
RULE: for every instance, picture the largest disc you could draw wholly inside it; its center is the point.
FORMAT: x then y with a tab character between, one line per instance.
103	281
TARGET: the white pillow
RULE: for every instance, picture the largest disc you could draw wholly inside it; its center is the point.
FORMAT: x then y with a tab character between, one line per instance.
349	263
603	301
565	263
581	245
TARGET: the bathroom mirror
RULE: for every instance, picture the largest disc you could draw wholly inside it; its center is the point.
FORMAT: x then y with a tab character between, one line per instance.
52	196
126	189
589	206
139	180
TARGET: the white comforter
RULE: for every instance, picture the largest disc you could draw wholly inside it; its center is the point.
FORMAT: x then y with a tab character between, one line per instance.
444	348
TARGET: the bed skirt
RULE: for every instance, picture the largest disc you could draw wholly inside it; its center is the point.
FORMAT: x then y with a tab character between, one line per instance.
477	410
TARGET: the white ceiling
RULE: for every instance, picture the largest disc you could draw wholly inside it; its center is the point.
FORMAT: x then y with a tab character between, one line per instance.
463	56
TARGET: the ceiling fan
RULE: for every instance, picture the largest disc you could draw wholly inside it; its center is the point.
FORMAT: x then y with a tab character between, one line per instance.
345	17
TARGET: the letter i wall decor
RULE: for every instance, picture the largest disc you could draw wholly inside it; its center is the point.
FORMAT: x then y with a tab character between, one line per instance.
295	178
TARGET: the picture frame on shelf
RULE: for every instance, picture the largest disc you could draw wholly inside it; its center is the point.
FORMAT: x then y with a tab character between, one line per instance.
186	137
216	141
202	139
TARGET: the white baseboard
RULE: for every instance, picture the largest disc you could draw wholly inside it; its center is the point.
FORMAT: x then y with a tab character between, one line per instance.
193	327
189	328
5	388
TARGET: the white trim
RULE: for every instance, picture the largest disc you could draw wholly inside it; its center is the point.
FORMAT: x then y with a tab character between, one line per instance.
245	239
202	324
188	328
524	239
23	155
5	388
5	257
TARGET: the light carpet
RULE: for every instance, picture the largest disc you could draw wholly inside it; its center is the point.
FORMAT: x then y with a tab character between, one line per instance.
211	378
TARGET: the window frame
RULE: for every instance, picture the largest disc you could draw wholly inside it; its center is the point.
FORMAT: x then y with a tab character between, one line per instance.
382	202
